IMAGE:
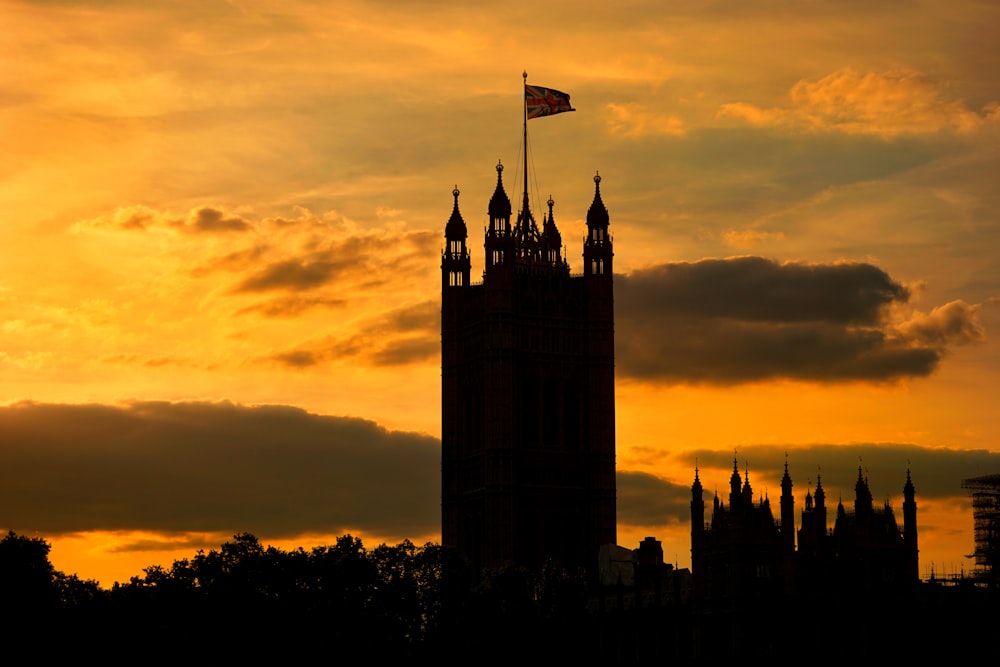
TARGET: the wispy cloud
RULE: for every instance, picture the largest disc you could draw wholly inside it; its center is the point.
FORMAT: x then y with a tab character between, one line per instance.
634	121
748	238
396	337
202	219
886	104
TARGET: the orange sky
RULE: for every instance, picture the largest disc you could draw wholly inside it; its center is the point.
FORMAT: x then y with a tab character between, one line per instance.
222	224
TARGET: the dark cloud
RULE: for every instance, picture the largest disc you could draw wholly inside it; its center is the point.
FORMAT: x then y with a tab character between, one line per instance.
279	471
296	274
238	260
290	306
747	319
208	219
401	351
648	500
759	289
420	317
322	262
201	541
298	358
272	470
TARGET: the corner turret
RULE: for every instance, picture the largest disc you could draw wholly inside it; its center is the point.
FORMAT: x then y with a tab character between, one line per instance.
455	260
597	248
499	243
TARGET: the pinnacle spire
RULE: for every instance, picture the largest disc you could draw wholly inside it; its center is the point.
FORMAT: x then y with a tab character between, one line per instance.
597	216
455	229
500	203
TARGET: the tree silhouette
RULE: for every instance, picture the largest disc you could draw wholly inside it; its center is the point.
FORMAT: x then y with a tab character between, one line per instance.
27	578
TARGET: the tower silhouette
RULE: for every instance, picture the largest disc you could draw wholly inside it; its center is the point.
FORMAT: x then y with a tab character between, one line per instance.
527	377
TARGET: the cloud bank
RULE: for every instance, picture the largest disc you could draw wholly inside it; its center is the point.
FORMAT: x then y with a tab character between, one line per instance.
281	472
157	466
745	319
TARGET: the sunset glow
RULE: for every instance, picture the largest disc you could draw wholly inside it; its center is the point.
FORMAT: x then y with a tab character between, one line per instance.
222	226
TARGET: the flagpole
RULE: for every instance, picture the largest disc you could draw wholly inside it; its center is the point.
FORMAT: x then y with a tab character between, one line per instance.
525	75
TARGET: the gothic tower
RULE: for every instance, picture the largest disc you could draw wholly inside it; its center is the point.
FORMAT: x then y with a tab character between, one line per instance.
910	528
527	381
787	508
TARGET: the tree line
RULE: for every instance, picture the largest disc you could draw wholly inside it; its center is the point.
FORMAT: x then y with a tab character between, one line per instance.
245	598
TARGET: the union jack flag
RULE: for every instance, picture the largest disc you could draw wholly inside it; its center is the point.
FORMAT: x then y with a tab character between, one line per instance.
540	101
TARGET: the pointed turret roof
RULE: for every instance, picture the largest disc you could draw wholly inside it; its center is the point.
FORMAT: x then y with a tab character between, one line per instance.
549	230
455	229
500	202
597	216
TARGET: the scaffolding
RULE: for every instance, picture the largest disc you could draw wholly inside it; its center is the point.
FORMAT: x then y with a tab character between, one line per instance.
985	492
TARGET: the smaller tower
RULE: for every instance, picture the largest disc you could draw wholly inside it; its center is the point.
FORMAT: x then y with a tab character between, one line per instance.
455	261
862	496
499	241
910	529
734	487
551	239
697	507
820	516
787	508
597	249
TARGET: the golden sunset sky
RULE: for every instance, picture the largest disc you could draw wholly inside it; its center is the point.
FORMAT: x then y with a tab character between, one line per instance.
222	225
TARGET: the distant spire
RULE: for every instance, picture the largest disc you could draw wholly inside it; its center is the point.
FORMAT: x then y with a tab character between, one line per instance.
734	482
786	479
551	238
862	494
696	487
